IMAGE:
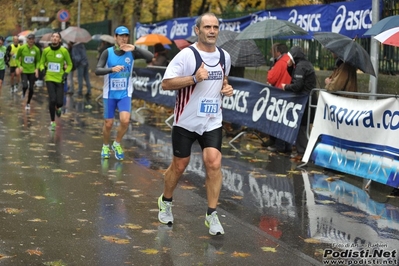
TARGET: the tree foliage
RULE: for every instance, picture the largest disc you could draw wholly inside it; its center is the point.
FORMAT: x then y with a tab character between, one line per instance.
126	12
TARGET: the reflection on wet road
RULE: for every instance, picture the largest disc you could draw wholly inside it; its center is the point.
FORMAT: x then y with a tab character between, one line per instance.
55	189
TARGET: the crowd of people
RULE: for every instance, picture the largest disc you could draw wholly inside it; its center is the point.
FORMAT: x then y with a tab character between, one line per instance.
198	74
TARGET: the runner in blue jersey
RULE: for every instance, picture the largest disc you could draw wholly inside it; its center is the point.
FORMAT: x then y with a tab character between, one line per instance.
116	65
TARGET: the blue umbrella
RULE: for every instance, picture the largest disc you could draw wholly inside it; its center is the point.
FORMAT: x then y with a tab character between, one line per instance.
383	25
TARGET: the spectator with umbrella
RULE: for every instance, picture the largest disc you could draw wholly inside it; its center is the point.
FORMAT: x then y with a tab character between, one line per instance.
160	56
81	64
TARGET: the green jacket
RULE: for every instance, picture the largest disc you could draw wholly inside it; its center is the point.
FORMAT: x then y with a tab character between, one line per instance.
28	58
2	57
54	61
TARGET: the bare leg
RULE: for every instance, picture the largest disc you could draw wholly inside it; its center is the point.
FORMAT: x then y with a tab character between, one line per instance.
107	130
173	174
124	118
213	183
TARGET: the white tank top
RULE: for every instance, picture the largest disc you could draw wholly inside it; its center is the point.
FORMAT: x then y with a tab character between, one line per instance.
198	107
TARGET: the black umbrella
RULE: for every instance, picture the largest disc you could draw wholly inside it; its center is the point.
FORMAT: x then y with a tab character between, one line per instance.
346	49
243	53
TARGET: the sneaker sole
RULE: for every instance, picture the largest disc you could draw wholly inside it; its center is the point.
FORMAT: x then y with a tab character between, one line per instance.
159	209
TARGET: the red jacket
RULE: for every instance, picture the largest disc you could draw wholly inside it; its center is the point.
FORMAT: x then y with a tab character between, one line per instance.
278	74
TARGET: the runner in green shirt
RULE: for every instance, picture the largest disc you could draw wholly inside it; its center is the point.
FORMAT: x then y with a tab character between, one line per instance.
2	61
28	58
57	62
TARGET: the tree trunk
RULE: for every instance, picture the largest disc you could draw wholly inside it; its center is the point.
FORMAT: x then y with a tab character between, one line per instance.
181	8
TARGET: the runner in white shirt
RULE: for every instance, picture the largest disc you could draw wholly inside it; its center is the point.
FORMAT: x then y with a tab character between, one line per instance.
198	116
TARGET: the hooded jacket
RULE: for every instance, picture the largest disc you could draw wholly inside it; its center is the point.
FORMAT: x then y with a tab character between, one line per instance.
303	74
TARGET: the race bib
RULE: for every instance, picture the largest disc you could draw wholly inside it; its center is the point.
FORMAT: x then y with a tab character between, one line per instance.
54	67
118	84
29	59
208	107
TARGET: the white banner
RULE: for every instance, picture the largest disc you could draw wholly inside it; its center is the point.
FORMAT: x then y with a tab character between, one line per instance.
358	137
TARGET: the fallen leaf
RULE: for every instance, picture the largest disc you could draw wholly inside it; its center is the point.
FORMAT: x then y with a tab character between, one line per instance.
60	171
269	249
130	226
147	231
38	220
240	254
149	251
110	194
312	241
12	210
237	197
188	187
36	252
114	239
2	256
185	254
38	197
13	192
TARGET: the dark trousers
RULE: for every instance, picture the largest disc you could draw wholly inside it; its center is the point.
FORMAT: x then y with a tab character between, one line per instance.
56	96
28	80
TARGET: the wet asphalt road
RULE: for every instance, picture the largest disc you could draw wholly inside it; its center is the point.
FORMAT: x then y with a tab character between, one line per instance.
62	205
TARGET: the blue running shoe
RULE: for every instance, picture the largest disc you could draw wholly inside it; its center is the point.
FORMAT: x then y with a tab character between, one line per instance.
119	155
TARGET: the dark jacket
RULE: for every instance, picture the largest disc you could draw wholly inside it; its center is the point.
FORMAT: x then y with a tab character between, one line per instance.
303	74
303	80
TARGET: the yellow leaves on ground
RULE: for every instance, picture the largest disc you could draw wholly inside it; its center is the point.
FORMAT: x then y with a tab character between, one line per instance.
269	249
312	241
111	194
149	251
131	226
187	187
37	220
36	252
240	254
148	231
12	210
2	256
60	171
237	197
116	240
13	191
38	197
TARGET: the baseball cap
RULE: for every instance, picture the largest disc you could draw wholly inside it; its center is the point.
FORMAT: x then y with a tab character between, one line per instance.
30	36
122	30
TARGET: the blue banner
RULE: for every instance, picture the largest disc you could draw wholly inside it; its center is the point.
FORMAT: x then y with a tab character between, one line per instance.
351	18
255	105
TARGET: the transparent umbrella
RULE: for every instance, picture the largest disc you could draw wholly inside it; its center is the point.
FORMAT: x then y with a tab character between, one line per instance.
75	34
